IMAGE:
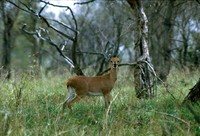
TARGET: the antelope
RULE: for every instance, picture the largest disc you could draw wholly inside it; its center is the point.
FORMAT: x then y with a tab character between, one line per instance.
80	86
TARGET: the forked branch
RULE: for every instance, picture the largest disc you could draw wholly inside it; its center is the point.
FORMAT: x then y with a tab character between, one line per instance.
43	34
47	39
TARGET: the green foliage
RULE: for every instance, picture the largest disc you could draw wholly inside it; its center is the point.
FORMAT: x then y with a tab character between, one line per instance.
32	106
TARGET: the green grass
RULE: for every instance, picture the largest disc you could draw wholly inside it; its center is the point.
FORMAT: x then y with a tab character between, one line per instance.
32	106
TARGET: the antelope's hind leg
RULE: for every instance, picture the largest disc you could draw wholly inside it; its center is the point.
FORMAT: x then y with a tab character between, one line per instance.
71	97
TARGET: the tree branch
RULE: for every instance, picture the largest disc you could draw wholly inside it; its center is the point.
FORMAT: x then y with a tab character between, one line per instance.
29	9
42	17
19	7
47	39
48	3
120	65
46	20
86	2
75	31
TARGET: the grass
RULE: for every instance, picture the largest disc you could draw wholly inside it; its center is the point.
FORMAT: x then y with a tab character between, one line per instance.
32	106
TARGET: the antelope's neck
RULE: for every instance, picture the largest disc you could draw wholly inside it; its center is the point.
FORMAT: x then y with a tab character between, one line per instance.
113	74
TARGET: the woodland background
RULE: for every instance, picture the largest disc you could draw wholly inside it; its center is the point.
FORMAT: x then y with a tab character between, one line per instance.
104	28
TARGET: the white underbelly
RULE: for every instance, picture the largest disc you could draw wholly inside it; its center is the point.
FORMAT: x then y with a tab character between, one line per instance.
95	94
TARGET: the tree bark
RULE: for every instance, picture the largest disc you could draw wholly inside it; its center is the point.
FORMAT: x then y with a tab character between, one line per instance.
164	61
6	51
142	79
194	94
8	21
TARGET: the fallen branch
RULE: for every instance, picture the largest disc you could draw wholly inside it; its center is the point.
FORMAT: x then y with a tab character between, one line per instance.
177	118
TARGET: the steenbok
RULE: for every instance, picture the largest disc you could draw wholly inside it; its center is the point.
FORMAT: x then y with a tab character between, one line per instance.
80	86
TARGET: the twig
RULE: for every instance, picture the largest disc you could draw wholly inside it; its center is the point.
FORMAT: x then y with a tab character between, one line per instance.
63	25
120	65
48	3
19	7
173	116
86	2
108	110
177	118
29	9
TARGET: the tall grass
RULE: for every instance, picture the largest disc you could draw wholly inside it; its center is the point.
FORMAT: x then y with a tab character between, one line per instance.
32	106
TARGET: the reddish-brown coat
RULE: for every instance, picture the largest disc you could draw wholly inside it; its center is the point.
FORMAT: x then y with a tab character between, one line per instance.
84	84
79	86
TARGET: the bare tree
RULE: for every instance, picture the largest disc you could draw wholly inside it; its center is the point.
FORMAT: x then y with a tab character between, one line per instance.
44	35
142	79
161	15
9	15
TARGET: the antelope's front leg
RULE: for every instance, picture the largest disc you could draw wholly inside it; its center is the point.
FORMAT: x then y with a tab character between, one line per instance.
107	98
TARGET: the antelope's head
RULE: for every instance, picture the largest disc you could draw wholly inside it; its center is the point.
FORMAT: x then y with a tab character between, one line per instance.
114	62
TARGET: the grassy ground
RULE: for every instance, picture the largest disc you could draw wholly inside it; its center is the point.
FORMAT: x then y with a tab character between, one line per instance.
32	106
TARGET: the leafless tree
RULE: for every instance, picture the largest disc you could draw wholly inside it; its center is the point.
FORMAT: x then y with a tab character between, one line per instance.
44	35
142	79
9	15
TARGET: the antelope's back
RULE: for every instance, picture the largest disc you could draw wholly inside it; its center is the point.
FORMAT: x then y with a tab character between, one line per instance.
78	83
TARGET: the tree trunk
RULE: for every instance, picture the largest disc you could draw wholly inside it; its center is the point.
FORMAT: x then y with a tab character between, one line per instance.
164	60
77	68
35	49
194	94
193	97
142	79
161	37
8	22
6	58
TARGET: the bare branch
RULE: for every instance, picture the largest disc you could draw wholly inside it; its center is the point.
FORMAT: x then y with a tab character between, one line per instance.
120	65
47	23
92	53
173	116
42	9
86	2
108	110
58	31
150	66
73	17
30	11
76	31
48	3
28	8
19	7
47	39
